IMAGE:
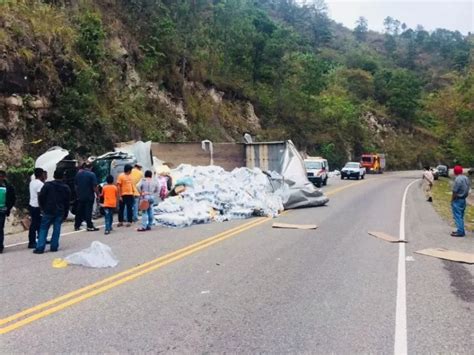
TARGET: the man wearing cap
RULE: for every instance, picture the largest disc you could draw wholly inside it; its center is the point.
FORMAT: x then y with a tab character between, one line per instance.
458	200
137	176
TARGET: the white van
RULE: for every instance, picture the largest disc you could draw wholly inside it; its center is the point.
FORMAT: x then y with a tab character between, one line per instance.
317	169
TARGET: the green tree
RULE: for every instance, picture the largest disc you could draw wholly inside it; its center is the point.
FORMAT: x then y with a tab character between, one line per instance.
391	25
361	29
400	90
91	37
359	83
390	44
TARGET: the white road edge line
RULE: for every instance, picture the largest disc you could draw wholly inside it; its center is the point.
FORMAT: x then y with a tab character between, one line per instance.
400	347
62	235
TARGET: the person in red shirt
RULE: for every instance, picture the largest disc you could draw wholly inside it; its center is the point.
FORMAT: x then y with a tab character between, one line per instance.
110	196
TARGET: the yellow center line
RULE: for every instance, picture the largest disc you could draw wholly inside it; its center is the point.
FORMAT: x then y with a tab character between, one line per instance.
339	189
120	278
107	287
120	274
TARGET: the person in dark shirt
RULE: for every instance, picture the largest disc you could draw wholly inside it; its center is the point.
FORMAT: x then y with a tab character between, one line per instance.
7	200
461	188
54	203
86	191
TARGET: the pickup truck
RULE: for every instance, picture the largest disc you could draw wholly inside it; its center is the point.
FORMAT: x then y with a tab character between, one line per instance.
353	169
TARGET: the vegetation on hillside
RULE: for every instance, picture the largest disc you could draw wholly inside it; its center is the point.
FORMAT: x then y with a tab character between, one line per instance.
406	92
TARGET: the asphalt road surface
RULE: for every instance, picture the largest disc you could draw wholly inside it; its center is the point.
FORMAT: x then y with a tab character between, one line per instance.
245	287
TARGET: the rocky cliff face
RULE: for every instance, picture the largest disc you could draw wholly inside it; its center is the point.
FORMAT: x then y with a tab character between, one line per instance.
52	93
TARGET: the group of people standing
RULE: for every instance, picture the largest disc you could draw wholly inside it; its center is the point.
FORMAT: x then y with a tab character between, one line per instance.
48	205
49	202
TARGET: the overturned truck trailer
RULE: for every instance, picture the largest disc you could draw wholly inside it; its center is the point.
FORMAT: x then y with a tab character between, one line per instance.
280	160
284	159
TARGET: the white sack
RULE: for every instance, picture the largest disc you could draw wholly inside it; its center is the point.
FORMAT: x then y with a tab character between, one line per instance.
98	255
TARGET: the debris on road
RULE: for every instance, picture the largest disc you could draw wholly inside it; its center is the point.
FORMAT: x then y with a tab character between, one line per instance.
446	254
59	263
98	255
386	237
294	226
204	194
213	194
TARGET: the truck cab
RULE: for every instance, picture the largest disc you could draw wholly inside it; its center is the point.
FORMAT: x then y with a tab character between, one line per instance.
373	163
317	170
111	164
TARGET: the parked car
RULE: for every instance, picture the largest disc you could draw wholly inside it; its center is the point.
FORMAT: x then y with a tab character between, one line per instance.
353	170
317	170
443	170
470	172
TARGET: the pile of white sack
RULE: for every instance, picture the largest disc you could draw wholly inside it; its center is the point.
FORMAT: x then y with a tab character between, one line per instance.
213	194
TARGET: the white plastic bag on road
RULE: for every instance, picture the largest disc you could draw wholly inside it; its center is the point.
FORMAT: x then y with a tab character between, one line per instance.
98	255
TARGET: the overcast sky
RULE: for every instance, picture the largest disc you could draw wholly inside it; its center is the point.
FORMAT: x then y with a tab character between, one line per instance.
431	14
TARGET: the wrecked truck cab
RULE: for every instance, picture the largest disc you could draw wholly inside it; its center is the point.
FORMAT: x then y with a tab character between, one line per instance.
111	163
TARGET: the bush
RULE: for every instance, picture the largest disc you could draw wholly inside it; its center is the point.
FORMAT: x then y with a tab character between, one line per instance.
19	177
91	37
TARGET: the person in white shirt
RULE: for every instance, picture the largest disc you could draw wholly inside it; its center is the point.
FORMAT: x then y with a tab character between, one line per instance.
35	211
428	179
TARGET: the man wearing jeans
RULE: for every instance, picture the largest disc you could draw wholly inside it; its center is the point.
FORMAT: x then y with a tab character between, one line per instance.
109	194
7	200
126	191
148	188
458	200
86	191
137	176
54	203
35	212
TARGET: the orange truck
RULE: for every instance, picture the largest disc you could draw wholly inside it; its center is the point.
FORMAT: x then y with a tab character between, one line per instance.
373	163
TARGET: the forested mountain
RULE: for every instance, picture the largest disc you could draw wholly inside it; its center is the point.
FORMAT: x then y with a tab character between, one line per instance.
87	74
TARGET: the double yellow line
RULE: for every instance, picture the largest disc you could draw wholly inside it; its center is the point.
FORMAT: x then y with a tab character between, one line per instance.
45	309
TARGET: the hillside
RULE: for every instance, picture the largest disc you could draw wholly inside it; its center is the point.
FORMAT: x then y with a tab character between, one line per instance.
88	74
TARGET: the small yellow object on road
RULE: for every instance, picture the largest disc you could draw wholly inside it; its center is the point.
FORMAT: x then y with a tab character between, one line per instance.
59	263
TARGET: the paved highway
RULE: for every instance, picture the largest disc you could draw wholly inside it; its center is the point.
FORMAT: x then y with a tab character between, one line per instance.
243	287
